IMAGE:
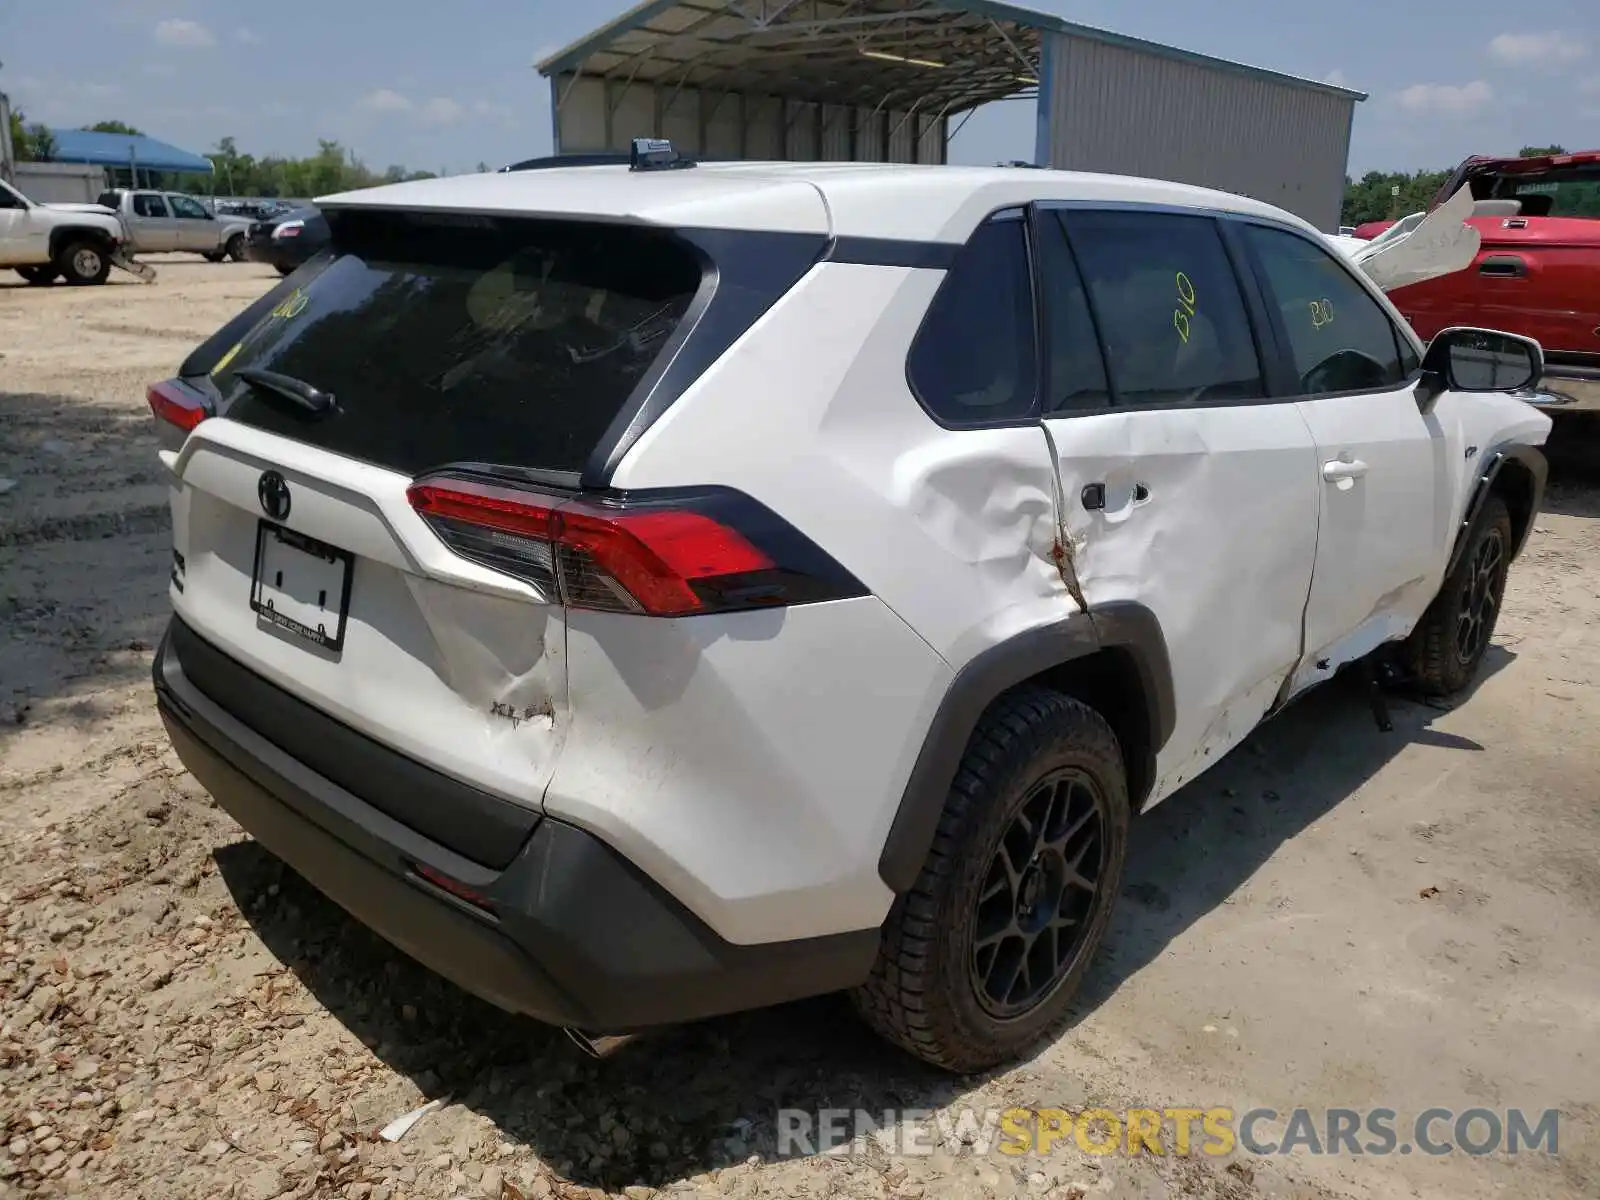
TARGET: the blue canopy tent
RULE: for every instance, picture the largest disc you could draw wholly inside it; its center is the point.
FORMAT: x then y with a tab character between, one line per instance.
136	154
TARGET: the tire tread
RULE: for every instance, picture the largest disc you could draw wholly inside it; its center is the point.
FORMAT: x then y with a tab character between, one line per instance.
896	1000
1430	650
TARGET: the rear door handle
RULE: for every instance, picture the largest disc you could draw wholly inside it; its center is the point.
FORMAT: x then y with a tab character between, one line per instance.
1340	468
1093	496
1504	266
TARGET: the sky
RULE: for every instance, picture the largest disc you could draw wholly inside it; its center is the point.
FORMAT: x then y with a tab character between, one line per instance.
444	86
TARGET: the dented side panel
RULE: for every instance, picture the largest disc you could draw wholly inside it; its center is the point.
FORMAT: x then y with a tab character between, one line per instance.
954	533
1209	521
1385	531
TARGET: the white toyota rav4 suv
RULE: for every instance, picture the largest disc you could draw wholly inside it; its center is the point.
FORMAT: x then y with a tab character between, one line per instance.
644	594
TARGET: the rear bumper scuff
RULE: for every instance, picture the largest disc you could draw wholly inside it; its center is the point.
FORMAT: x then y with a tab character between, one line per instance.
576	936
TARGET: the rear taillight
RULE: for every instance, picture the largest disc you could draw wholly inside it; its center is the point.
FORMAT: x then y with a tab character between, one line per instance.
177	411
673	554
452	885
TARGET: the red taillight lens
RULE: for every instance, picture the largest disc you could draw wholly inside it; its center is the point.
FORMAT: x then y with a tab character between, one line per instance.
665	556
656	556
176	406
454	886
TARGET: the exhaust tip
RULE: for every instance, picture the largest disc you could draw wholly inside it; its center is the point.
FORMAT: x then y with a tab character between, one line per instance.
597	1046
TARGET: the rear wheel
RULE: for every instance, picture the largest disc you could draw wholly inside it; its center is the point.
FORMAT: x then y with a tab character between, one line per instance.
83	263
1447	647
235	247
38	276
982	957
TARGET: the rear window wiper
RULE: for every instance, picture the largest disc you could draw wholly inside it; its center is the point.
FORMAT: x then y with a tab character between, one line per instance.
296	391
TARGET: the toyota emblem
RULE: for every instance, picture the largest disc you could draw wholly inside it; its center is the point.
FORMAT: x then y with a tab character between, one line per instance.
273	492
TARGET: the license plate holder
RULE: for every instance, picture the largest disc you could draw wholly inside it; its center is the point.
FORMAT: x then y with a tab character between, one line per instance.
301	585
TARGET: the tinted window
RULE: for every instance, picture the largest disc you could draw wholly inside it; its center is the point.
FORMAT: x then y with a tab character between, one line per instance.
1564	192
1341	339
149	206
476	340
9	199
1076	376
193	210
1410	363
1170	311
974	357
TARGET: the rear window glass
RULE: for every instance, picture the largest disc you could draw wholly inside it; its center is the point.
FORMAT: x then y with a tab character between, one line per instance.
468	339
1568	192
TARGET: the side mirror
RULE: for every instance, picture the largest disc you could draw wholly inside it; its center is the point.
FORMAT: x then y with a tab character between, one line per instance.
1462	359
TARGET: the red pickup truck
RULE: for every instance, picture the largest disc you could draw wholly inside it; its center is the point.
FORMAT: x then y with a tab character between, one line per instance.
1537	272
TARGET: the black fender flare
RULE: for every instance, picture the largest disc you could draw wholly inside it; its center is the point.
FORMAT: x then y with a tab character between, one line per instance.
1123	625
1533	460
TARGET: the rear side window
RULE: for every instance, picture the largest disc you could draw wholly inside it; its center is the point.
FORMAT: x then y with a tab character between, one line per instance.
468	340
974	359
149	206
1341	339
1171	315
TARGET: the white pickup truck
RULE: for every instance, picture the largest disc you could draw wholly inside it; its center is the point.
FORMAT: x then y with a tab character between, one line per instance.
162	222
76	242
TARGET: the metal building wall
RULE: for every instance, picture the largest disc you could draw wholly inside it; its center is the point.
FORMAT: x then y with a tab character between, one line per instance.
1124	111
596	115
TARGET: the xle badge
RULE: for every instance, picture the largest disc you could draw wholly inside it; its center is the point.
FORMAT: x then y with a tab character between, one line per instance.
273	492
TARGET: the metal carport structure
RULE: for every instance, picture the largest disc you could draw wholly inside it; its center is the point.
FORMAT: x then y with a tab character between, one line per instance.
890	80
134	153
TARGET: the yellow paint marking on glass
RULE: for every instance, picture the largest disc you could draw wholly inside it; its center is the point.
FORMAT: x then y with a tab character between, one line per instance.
1186	307
227	358
1321	313
292	305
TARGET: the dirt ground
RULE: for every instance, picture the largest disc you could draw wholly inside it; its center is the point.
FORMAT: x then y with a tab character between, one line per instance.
1333	917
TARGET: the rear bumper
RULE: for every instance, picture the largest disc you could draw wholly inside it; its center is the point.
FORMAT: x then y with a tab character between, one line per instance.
571	933
285	255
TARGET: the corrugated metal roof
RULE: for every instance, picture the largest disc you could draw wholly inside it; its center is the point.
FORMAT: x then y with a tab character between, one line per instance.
946	55
121	149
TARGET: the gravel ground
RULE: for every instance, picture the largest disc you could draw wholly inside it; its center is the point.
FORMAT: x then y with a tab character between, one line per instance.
1334	916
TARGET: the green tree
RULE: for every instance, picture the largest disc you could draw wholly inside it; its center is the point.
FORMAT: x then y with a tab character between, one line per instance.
41	144
1540	151
19	135
333	168
1373	197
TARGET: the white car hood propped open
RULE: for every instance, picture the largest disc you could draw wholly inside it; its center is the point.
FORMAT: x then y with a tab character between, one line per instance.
1419	247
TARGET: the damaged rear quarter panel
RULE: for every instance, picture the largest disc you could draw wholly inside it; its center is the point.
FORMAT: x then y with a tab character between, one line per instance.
952	532
955	531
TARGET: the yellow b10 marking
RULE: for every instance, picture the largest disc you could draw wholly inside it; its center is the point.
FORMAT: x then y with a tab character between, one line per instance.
1186	307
